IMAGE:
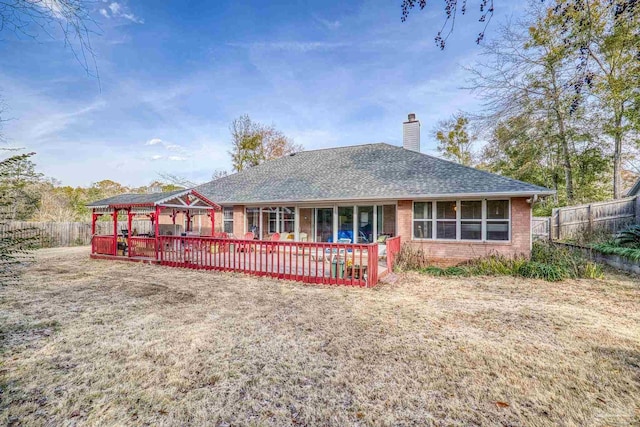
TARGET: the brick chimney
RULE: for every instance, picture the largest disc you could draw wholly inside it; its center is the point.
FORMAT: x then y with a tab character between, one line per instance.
411	133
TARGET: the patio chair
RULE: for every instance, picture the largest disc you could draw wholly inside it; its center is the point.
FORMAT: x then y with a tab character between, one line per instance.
275	237
246	247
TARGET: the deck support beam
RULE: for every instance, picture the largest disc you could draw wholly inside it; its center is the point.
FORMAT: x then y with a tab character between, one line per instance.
93	221
115	231
129	217
157	228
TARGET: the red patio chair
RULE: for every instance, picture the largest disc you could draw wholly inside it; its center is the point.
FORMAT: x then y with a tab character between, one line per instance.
246	247
275	237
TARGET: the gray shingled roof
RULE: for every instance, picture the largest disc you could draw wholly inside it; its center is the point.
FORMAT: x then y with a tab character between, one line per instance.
126	199
372	171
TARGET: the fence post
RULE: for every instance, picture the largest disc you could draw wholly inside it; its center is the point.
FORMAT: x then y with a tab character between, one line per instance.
590	212
637	209
555	219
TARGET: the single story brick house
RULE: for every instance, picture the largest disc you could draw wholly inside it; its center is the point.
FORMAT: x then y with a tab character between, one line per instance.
363	192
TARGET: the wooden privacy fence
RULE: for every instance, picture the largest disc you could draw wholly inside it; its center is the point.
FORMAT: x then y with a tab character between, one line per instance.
540	227
62	234
571	221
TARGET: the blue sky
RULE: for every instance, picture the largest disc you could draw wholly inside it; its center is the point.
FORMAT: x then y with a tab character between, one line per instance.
173	75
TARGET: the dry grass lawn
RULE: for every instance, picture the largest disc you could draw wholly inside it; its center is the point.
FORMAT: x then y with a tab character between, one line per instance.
97	342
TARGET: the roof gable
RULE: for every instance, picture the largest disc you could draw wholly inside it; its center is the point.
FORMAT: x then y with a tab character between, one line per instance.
187	198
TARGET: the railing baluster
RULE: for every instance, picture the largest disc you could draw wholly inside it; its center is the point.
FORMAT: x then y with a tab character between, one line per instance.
330	263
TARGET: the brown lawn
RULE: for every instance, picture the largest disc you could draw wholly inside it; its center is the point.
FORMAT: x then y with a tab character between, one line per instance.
100	342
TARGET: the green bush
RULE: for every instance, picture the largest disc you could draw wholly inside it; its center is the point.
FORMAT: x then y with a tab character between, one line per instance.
614	249
630	237
548	262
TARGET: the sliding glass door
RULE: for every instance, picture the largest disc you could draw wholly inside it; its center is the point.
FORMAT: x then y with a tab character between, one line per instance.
365	224
324	224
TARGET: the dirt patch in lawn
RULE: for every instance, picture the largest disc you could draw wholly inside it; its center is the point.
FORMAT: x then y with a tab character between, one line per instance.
102	342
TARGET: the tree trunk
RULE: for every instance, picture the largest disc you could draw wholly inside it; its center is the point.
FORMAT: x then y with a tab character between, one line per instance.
566	158
617	158
562	135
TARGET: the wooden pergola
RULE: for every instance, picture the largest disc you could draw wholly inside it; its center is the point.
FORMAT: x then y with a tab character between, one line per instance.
189	203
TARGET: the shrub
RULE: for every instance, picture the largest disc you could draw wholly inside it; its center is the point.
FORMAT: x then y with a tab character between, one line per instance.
593	271
630	237
614	249
409	258
548	262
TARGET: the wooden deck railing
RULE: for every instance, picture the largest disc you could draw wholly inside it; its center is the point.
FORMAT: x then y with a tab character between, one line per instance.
102	245
393	247
329	263
142	247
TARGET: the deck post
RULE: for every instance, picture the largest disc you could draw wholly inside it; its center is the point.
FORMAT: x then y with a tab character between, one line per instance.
157	229
213	221
129	216
93	221
115	231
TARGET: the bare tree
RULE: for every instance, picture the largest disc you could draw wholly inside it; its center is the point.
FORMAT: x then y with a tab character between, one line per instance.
219	173
69	18
451	10
177	180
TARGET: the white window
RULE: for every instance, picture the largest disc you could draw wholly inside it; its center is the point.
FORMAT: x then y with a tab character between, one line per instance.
227	219
471	220
498	220
273	221
446	224
287	219
422	220
483	220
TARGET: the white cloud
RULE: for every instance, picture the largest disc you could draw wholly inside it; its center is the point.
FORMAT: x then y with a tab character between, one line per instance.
173	147
154	141
176	158
115	8
131	17
157	157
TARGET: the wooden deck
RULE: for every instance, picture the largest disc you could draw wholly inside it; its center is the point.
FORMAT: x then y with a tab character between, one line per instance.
328	263
296	266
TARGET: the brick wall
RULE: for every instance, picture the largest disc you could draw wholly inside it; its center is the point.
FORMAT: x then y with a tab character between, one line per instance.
217	221
238	221
200	223
451	253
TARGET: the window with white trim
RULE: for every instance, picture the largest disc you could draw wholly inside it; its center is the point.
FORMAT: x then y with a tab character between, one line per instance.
227	219
446	220
471	220
482	220
498	220
422	220
287	219
273	220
